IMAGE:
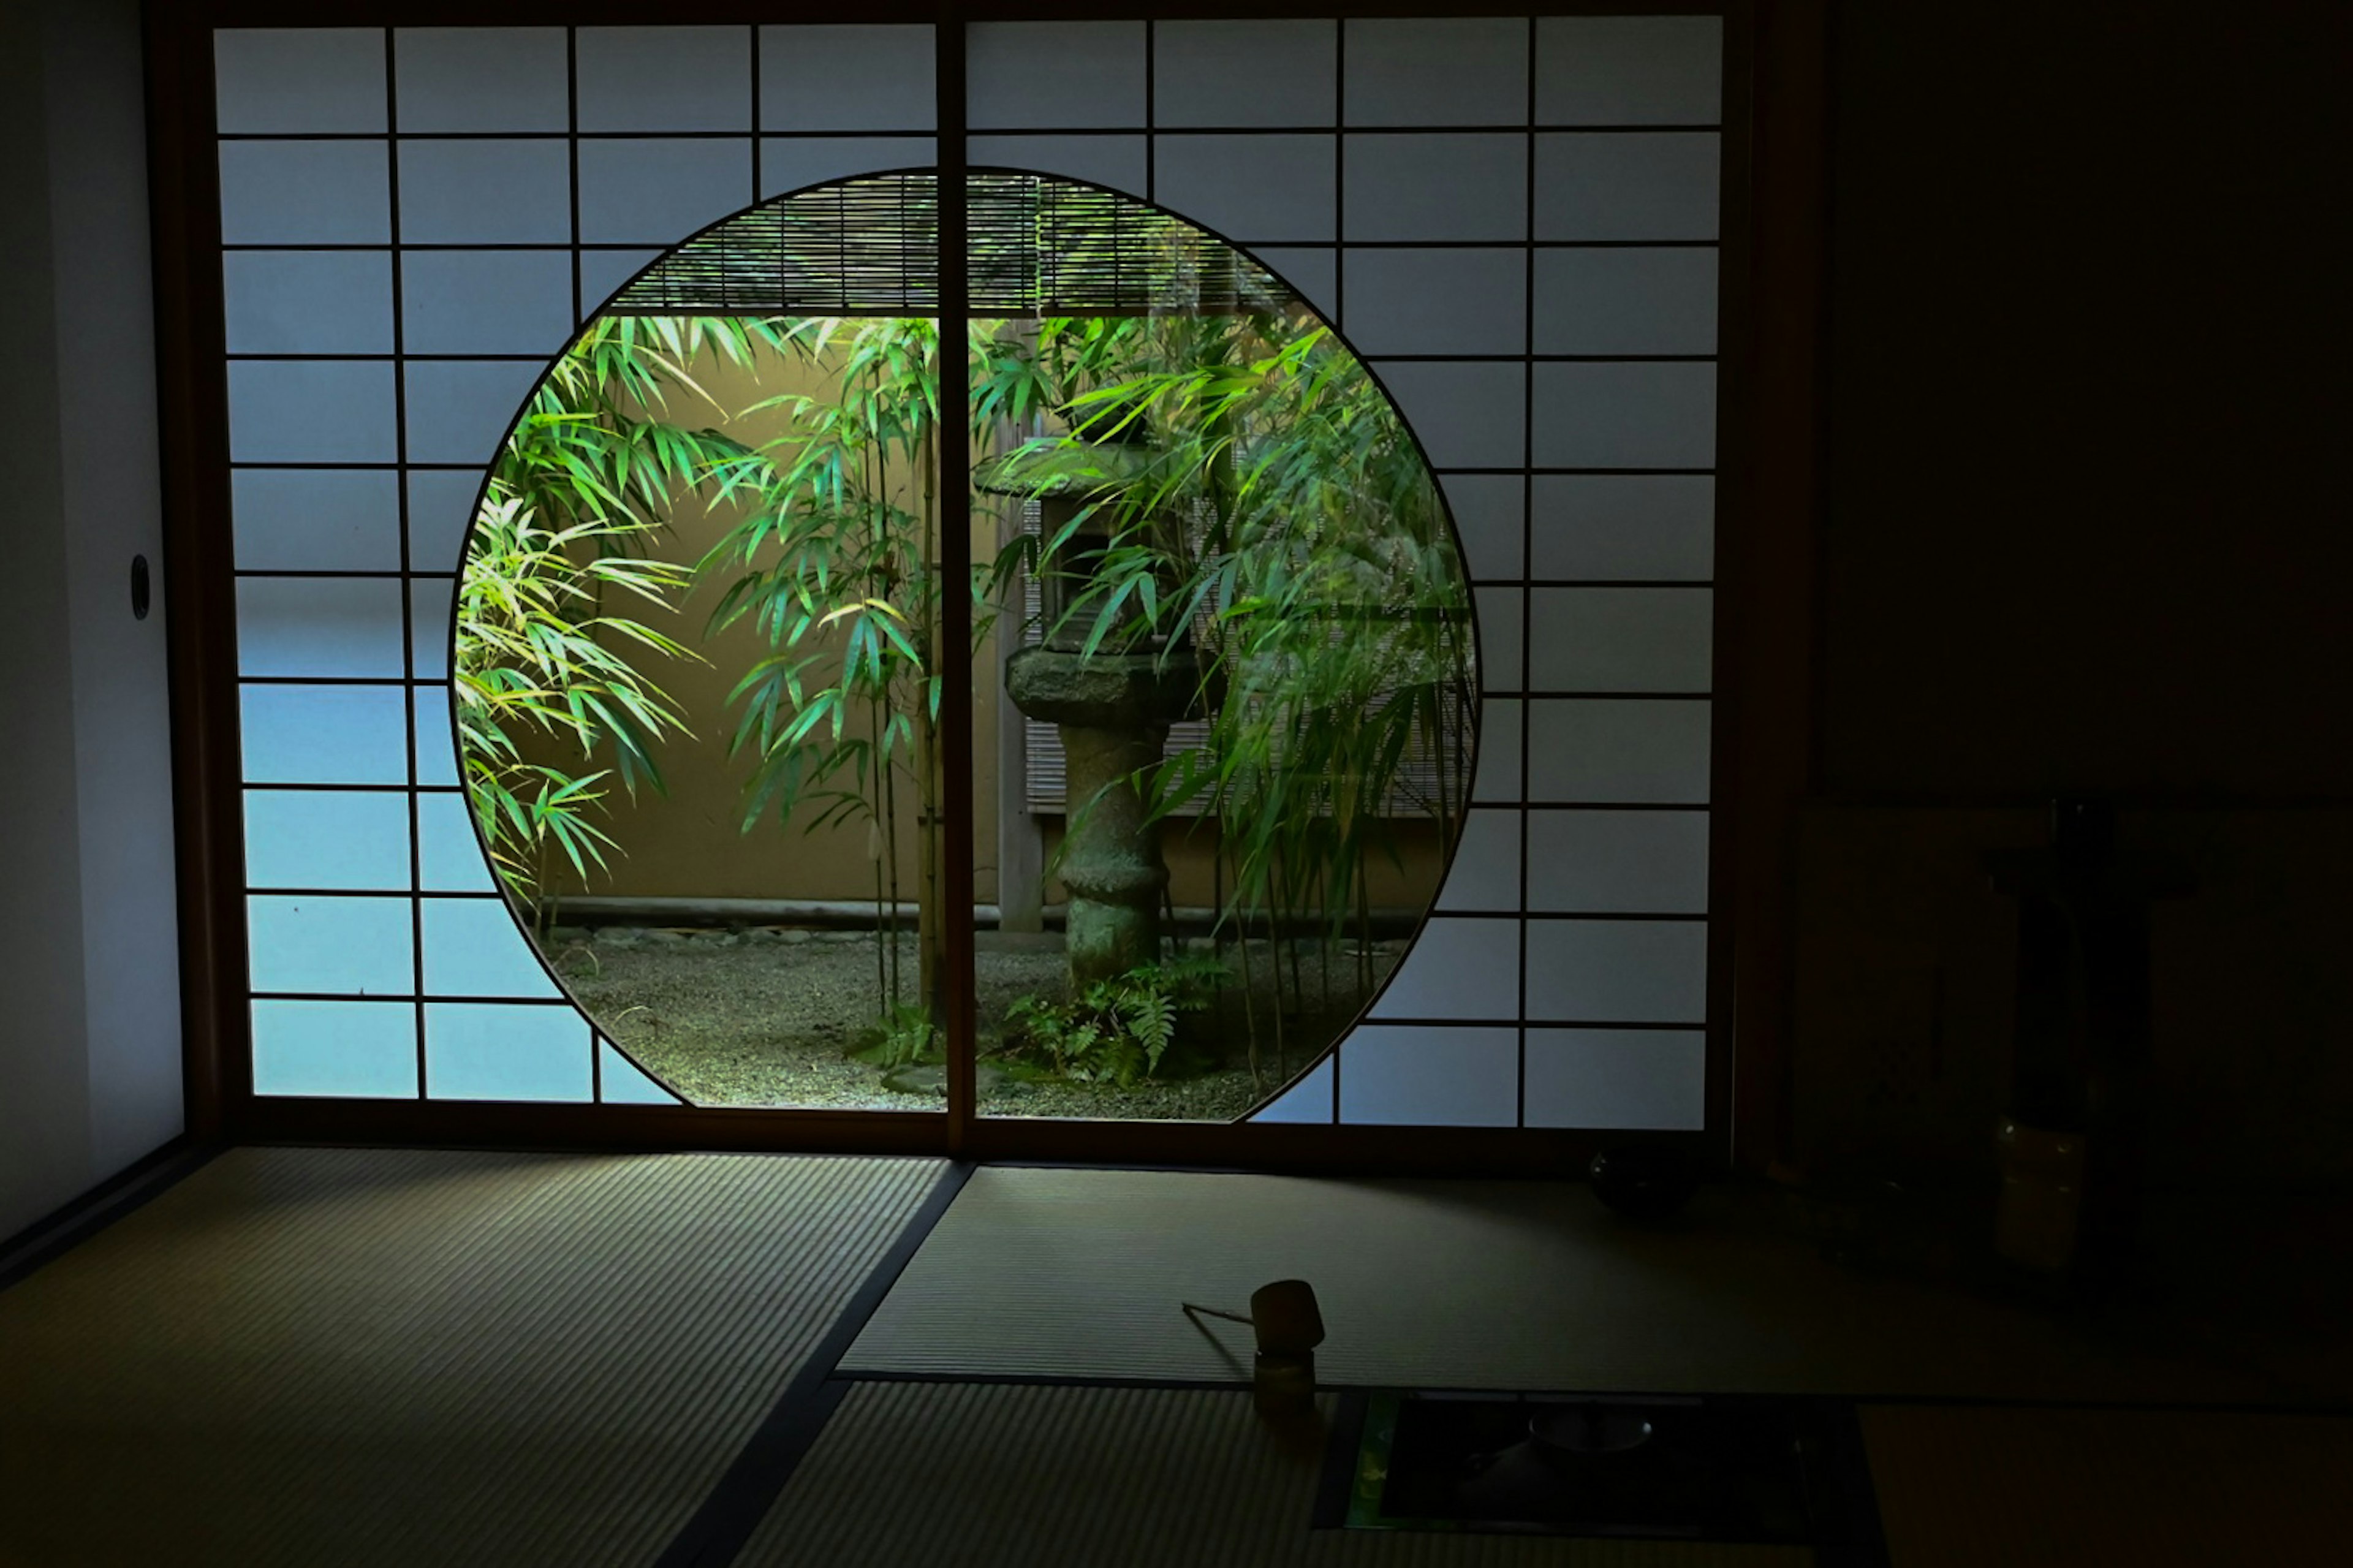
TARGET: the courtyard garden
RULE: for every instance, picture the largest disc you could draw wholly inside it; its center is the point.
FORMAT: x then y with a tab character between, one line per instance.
1218	623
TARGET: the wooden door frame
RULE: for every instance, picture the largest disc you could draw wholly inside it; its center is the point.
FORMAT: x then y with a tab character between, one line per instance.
1769	437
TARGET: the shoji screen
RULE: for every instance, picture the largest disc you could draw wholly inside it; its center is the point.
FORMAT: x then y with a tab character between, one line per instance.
1514	221
415	220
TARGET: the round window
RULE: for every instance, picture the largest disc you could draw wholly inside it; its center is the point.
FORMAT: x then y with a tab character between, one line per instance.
1201	603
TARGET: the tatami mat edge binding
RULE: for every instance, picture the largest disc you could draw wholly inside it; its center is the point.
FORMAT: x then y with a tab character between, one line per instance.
714	1537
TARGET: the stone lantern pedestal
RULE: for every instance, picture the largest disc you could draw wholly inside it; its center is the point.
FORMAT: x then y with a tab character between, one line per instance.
1112	703
1113	710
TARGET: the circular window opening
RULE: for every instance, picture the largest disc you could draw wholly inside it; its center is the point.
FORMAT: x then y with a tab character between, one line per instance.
1222	669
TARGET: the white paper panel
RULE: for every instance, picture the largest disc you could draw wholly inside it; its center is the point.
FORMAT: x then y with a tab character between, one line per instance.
1626	300
1628	1078
306	944
1250	188
316	520
482	1051
437	742
304	192
1622	640
449	855
621	1082
1308	1101
473	948
1637	185
796	163
1637	752
467	192
1446	185
1629	70
1501	722
1034	75
344	1049
1467	415
459	410
1456	969
1437	301
440	511
323	734
481	79
1618	862
486	302
664	79
1116	161
854	77
1501	636
1245	73
1632	971
319	627
308	302
1429	1076
1488	519
430	607
1650	415
1438	71
306	80
655	191
326	839
1656	527
311	410
1484	876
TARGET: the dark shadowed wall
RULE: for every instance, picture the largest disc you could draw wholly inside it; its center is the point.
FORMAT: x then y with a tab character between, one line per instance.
2085	530
2087	520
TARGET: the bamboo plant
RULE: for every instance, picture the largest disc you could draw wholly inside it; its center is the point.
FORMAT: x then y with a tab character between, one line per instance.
1312	575
1319	584
578	502
835	561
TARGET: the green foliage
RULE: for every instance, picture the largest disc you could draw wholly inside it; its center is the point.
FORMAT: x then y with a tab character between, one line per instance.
1114	1031
828	561
901	1038
1275	523
1313	576
834	561
577	500
532	654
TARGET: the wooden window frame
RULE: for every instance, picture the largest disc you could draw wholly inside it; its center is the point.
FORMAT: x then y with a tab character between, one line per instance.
1769	443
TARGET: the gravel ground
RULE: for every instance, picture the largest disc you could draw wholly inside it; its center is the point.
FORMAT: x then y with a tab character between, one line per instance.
766	1017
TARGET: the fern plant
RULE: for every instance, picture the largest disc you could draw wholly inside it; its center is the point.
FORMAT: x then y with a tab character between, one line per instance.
901	1037
1113	1031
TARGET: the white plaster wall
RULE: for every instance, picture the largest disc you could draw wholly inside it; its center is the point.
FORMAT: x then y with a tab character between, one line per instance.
90	1011
113	510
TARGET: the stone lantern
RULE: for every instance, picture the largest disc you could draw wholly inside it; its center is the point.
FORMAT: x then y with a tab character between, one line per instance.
1113	706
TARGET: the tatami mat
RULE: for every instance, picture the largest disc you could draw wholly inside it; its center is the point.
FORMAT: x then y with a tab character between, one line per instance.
361	1357
1505	1285
1964	1487
1029	1476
